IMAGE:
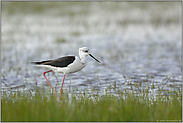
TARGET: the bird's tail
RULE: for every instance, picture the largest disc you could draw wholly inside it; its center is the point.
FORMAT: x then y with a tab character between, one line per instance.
39	63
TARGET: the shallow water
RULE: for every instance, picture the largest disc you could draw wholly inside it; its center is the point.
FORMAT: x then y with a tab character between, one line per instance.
137	51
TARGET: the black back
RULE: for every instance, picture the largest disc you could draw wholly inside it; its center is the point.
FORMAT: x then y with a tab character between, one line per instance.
60	62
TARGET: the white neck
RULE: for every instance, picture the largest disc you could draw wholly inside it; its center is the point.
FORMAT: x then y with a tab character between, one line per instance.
82	57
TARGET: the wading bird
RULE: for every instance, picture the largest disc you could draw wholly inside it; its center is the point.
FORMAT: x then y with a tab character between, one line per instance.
66	64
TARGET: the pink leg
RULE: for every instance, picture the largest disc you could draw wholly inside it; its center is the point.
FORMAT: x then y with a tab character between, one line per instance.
62	85
48	81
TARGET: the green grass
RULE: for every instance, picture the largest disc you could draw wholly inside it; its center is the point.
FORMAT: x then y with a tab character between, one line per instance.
104	108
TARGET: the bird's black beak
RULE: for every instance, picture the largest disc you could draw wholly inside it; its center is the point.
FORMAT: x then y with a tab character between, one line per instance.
94	58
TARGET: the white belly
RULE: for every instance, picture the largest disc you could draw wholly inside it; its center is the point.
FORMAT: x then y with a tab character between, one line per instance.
72	68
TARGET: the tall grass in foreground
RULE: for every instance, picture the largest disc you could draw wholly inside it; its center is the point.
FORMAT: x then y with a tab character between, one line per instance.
104	108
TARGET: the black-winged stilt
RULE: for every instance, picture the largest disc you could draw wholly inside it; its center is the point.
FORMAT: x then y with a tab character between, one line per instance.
66	64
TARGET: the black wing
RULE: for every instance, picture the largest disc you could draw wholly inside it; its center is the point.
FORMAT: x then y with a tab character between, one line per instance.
60	62
42	62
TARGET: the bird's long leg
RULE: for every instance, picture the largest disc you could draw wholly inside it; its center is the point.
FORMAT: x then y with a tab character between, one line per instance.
62	85
48	81
70	82
55	76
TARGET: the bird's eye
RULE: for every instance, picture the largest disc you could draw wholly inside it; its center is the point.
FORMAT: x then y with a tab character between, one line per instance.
86	51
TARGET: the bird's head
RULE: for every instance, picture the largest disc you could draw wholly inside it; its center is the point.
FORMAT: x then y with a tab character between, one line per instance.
84	52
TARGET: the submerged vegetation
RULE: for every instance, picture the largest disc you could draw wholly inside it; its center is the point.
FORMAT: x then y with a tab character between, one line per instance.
126	107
